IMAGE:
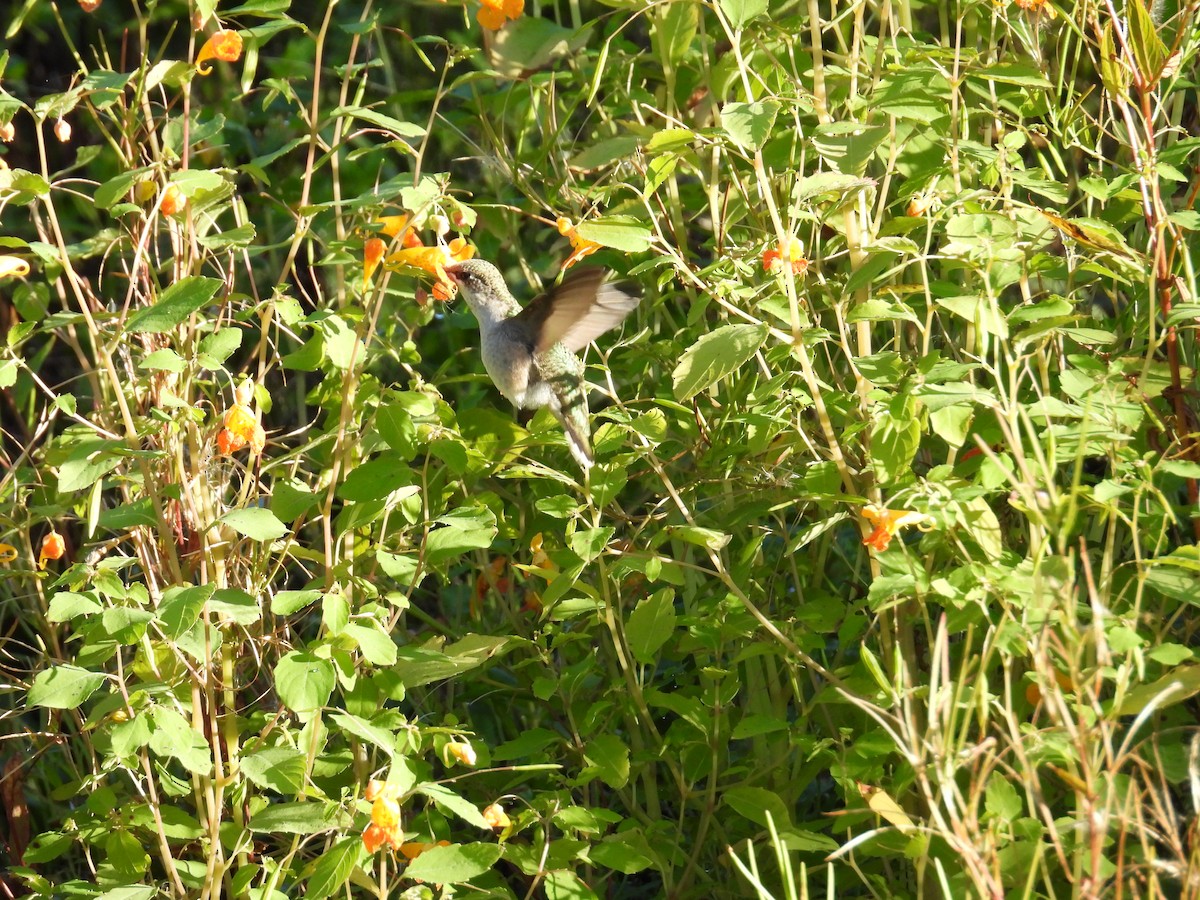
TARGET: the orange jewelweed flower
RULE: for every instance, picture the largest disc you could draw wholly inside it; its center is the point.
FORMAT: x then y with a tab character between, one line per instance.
397	226
372	254
580	246
464	753
53	547
496	817
7	553
1030	4
492	577
13	267
887	522
494	13
385	817
775	259
89	6
8	131
225	45
434	261
241	428
62	130
173	200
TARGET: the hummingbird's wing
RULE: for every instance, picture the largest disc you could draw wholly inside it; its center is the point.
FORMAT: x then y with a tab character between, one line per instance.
576	312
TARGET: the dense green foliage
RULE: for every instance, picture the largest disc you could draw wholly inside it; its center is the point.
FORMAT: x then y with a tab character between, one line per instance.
716	666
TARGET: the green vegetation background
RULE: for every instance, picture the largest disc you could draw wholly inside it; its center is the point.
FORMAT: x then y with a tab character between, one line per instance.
687	676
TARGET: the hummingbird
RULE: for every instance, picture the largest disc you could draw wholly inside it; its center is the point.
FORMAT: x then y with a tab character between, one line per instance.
530	353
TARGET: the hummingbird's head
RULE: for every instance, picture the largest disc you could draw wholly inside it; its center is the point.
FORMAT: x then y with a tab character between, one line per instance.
477	278
484	289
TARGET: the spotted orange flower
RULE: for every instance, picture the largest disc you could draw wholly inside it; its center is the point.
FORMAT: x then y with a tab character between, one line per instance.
372	255
225	45
384	828
397	226
492	577
496	817
494	13
241	426
776	259
53	547
581	247
173	200
888	521
1030	4
434	261
7	553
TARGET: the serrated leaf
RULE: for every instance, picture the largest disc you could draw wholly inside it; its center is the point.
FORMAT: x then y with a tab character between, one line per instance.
741	12
279	769
651	625
452	802
301	818
257	523
332	869
176	304
715	356
622	233
63	687
455	864
749	124
304	683
1148	48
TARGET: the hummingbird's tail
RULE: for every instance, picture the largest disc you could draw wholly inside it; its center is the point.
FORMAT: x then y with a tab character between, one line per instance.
573	416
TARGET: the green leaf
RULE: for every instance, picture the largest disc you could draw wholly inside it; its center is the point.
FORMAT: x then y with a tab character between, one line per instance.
279	769
530	743
304	683
715	356
749	124
164	360
739	12
90	461
220	345
563	884
173	736
675	28
617	854
301	818
651	625
236	606
607	757
463	529
609	150
376	647
378	478
1148	48
63	687
364	730
416	666
65	605
332	869
895	437
455	864
701	537
287	602
624	233
176	304
379	120
256	523
754	803
1012	73
452	802
588	543
1171	689
1002	799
